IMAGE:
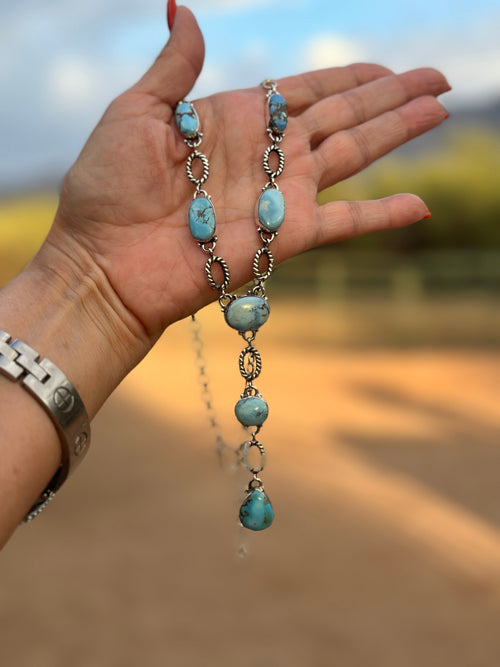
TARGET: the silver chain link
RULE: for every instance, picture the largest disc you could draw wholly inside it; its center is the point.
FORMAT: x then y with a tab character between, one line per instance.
228	456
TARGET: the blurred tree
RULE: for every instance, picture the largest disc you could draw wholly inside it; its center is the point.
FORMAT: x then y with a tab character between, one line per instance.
459	181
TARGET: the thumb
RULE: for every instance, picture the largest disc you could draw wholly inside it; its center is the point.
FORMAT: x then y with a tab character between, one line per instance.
176	69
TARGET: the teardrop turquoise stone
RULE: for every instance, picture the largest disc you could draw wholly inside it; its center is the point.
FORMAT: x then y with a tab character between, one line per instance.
256	513
187	119
271	209
251	411
247	313
201	218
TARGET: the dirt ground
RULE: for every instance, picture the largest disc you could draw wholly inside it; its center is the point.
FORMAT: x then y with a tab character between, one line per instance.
383	469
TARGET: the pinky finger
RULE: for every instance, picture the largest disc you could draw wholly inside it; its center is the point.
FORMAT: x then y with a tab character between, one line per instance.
341	220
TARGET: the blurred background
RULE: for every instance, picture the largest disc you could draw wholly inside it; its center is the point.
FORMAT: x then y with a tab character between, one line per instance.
381	367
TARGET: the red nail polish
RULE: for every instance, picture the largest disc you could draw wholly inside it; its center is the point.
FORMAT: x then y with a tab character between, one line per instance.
171	9
447	115
428	214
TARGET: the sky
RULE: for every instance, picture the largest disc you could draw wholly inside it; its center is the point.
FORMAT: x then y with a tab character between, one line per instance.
61	62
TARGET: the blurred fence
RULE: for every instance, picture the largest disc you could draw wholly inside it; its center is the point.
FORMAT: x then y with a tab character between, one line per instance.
348	274
368	298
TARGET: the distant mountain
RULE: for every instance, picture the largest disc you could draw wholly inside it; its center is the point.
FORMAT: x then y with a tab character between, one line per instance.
486	117
488	114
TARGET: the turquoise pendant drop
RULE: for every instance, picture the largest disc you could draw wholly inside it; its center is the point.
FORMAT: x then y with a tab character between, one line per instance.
247	313
201	217
256	512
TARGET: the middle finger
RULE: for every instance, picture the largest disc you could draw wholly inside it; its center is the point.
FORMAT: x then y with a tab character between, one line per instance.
358	105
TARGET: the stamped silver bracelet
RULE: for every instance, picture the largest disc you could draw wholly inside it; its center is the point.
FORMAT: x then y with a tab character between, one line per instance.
59	398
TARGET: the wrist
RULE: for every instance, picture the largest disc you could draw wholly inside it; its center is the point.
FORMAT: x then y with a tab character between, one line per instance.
63	306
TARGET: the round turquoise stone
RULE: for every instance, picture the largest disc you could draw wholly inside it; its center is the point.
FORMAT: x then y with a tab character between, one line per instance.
187	119
201	218
256	513
247	313
251	411
271	209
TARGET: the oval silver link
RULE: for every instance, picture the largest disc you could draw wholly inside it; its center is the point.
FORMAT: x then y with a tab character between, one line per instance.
259	289
225	300
281	161
266	236
255	483
196	155
270	85
213	259
195	141
249	336
256	432
211	248
199	192
250	390
250	363
275	138
246	448
270	185
270	263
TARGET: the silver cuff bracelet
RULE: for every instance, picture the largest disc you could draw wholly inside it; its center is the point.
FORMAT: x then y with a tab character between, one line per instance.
60	400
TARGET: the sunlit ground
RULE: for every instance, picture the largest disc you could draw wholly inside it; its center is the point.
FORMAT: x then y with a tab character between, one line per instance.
383	466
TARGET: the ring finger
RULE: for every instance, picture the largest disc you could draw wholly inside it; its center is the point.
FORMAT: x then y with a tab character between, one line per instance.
360	104
349	151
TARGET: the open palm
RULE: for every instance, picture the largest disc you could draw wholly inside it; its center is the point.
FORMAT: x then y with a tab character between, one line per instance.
126	198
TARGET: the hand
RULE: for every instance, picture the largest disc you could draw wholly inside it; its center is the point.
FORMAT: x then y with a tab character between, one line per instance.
124	203
119	264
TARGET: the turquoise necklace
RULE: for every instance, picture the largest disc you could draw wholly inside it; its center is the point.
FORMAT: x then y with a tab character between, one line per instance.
243	313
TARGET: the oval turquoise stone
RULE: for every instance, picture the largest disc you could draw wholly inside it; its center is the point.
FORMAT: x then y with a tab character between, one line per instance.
187	119
247	313
278	113
201	218
251	411
256	512
271	209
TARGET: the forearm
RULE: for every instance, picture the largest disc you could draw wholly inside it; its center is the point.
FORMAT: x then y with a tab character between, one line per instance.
62	306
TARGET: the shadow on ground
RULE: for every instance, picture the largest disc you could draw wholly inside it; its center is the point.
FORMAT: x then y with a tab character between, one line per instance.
460	460
135	564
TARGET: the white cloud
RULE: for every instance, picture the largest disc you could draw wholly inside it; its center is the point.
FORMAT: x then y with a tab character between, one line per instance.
469	56
327	50
213	78
71	80
227	6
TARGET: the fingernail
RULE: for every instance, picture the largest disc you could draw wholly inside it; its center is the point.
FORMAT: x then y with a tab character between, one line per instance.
446	114
428	214
171	9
